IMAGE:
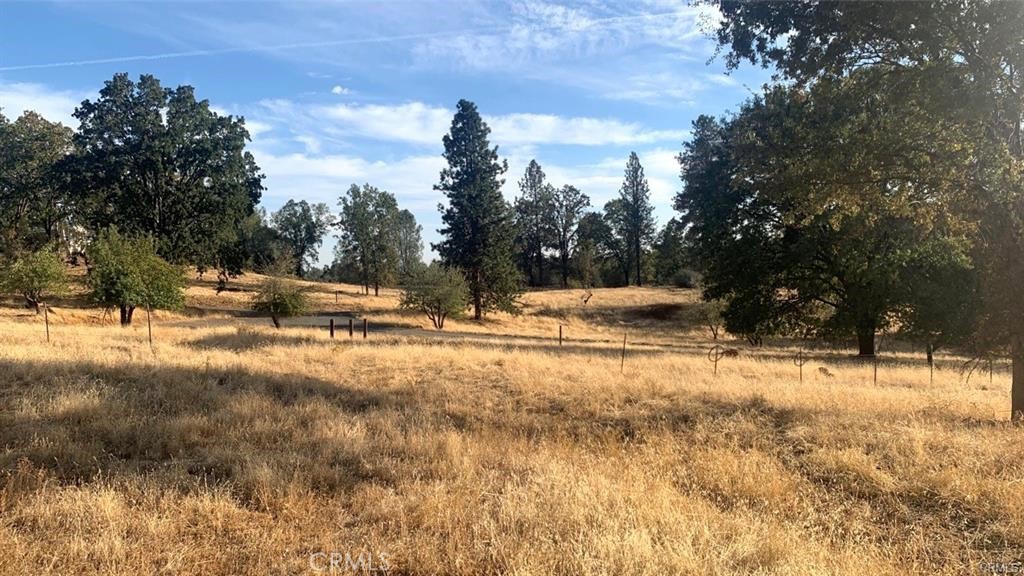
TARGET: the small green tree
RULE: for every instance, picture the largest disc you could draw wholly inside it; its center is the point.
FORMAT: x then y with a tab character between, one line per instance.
126	273
35	276
438	292
280	298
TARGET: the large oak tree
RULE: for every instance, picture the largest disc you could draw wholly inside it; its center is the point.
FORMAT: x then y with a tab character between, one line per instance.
156	161
969	56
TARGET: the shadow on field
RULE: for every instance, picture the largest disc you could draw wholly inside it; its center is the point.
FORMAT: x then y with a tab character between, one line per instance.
83	421
80	420
681	315
247	339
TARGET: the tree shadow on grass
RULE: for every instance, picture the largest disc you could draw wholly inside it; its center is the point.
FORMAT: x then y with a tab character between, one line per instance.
84	421
675	315
245	339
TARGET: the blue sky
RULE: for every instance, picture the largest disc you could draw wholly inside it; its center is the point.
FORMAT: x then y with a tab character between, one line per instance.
358	91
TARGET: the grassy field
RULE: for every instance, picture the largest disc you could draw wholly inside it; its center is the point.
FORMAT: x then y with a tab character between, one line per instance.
233	448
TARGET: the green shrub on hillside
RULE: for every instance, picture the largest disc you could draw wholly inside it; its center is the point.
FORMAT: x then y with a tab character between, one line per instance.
36	276
126	272
438	292
280	298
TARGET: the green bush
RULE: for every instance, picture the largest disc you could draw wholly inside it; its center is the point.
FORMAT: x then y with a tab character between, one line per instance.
126	273
280	298
36	276
685	279
438	292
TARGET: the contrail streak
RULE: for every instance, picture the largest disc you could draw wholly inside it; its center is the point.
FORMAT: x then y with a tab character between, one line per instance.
323	44
220	51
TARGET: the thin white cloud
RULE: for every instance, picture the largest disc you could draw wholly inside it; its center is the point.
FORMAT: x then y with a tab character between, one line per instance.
413	122
542	32
339	90
54	105
422	124
581	131
324	177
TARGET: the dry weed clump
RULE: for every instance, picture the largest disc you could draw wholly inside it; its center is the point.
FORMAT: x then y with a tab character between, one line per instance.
232	450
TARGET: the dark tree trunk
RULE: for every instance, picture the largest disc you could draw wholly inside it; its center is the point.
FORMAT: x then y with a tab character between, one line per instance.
564	259
866	341
276	321
126	315
32	304
376	289
639	264
930	352
540	267
478	297
1017	388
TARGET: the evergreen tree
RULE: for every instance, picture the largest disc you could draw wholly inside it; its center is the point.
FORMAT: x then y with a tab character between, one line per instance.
636	225
534	209
568	204
478	229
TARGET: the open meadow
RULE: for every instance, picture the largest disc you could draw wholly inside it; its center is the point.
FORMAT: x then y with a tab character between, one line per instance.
234	448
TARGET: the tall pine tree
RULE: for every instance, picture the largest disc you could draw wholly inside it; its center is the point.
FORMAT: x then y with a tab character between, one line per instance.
535	233
638	219
478	231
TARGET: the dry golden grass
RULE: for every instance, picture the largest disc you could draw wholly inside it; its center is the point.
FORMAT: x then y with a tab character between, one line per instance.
245	450
654	315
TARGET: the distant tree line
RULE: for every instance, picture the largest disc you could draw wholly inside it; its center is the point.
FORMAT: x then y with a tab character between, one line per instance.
559	242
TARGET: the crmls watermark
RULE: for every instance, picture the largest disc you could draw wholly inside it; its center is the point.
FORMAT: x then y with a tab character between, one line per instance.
347	562
1002	567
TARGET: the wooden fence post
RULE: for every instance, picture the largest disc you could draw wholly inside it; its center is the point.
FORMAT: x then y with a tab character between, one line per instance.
622	364
559	334
800	361
350	329
364	327
149	326
46	320
714	355
332	328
